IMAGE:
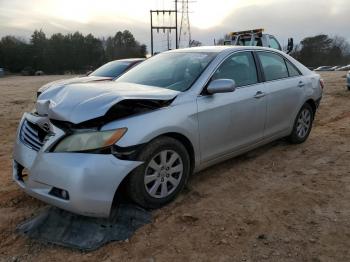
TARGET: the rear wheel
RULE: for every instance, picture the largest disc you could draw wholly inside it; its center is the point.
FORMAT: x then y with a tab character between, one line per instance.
302	125
162	176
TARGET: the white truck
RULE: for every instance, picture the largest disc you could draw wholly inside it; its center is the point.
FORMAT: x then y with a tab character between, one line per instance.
256	37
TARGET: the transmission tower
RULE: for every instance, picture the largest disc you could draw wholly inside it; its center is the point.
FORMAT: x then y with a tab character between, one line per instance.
185	28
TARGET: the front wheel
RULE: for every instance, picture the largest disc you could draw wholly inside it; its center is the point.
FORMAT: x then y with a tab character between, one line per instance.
162	176
302	125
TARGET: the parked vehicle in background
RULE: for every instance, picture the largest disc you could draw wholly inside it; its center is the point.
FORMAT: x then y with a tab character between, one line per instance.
335	68
27	71
2	72
343	68
108	72
348	80
324	68
39	73
174	114
256	37
116	68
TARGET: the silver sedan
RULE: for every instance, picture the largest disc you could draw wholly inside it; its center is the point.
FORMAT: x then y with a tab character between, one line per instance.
147	132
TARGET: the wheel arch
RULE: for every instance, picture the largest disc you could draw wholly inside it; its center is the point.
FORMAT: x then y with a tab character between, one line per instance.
185	141
312	103
187	144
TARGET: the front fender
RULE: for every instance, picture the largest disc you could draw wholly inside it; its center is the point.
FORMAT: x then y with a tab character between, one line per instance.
142	128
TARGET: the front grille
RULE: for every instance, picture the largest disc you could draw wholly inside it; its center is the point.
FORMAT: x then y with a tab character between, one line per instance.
32	135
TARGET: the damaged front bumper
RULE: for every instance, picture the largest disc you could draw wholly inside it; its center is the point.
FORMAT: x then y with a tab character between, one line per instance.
82	183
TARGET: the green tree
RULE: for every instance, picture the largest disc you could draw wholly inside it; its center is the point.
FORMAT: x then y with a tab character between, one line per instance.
39	48
322	50
14	54
124	45
94	52
57	54
71	52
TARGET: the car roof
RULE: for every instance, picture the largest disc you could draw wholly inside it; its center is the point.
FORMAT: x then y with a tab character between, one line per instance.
220	48
129	60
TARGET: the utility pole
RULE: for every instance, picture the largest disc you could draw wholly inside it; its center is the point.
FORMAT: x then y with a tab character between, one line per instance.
172	26
176	43
151	32
168	38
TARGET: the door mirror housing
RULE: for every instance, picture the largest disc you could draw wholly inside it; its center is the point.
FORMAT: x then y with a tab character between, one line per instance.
221	86
290	45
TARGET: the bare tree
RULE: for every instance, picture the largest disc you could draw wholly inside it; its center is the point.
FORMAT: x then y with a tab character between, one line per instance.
195	43
341	43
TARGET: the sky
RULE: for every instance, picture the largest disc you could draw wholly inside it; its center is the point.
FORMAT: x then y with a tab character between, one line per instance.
209	19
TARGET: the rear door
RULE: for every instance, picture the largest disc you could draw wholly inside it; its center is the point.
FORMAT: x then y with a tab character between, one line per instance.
229	121
285	89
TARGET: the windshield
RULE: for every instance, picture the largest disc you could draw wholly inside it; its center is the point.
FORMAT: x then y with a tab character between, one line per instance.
245	40
176	70
112	69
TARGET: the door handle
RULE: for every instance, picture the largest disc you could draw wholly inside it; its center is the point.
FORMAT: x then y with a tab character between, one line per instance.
259	94
301	84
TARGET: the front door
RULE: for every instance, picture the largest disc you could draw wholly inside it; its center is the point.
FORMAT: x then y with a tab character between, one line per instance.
230	121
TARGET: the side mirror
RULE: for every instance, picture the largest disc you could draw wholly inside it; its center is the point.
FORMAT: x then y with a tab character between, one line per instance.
221	86
88	73
290	45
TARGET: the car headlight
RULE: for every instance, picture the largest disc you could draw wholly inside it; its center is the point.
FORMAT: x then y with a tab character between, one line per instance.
79	142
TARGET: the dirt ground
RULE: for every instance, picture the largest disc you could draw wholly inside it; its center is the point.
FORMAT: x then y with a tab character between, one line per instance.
281	202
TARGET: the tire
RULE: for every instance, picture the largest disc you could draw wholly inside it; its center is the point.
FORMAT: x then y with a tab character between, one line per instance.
298	136
148	183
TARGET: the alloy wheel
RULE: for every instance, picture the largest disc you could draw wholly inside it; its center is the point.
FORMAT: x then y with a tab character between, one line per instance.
304	123
163	174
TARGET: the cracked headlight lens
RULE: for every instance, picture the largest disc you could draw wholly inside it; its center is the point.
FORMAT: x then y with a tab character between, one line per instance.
79	142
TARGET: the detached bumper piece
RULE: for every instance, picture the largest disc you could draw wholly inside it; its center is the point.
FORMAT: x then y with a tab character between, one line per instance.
60	227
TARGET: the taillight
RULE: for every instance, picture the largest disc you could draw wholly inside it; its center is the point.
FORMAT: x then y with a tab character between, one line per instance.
322	83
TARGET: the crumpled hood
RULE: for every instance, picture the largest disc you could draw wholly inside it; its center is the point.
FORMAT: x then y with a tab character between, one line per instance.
77	103
62	82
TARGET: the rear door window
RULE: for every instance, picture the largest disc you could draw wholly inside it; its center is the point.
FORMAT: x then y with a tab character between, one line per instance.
273	66
292	70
